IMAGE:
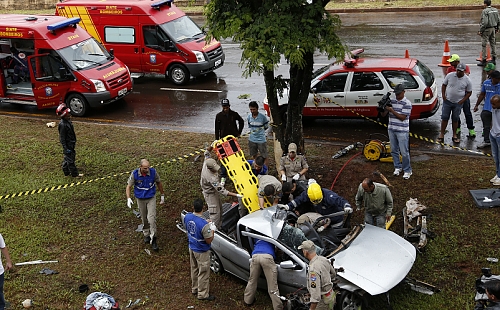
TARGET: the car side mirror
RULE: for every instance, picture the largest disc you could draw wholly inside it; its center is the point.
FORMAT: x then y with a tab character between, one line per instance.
312	90
288	265
169	46
112	52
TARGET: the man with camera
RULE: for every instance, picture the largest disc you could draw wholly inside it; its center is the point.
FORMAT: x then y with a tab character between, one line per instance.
492	290
399	130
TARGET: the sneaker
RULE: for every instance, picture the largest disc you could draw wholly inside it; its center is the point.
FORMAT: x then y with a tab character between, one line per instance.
494	179
407	175
484	145
497	182
459	130
472	133
397	171
482	63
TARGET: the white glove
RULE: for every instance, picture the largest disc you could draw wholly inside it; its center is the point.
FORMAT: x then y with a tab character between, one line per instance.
311	181
212	226
130	202
348	210
283	177
296	177
283	207
321	228
162	199
222	181
239	195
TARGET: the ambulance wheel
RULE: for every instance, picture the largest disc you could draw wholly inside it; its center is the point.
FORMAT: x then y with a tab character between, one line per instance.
349	301
77	104
178	74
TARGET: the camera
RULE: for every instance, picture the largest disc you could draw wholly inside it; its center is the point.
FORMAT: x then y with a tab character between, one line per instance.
384	102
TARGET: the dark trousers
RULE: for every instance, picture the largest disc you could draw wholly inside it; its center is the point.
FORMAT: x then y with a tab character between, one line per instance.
467	114
2	299
486	119
68	165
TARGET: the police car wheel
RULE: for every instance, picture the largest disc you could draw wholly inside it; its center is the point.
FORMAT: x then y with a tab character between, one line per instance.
349	301
178	74
77	104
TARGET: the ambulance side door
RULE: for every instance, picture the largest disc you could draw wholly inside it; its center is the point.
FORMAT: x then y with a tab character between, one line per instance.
124	40
50	78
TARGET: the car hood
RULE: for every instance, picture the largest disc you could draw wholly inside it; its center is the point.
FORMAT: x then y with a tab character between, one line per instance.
268	222
376	260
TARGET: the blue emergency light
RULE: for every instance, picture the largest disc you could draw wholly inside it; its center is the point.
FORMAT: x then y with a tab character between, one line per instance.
65	23
158	4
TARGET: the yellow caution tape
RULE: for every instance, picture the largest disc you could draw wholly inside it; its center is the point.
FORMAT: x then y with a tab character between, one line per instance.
64	186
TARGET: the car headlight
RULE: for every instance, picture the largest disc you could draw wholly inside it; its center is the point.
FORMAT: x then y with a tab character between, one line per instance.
99	86
199	56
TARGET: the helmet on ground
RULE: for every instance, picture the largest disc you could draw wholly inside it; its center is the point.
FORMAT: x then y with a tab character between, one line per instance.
315	193
62	110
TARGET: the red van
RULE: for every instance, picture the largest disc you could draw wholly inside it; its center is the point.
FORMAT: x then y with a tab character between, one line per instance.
150	37
46	60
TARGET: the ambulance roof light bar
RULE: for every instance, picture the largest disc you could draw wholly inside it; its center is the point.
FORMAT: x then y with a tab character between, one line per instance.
350	62
65	23
157	5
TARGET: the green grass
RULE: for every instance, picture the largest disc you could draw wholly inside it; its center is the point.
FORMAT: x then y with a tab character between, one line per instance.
90	231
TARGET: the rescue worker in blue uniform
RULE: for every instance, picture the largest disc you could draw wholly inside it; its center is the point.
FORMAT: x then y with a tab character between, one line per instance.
324	202
144	180
200	235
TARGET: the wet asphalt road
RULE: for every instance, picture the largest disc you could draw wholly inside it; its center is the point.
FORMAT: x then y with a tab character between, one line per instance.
157	103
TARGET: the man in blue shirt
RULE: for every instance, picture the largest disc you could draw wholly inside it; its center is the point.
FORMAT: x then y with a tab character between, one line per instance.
258	165
489	88
258	124
263	260
200	236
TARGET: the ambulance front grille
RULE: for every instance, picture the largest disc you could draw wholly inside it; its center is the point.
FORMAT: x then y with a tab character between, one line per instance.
119	81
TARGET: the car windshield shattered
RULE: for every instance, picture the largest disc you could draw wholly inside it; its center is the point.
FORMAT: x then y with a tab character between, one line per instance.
292	237
84	54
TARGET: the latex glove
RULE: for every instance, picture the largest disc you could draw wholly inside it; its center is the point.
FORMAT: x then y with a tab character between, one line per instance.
283	207
348	210
296	177
321	228
222	182
311	181
239	195
213	227
130	202
283	177
162	199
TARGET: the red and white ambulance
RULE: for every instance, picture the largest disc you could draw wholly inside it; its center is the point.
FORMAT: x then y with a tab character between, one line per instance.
150	37
46	60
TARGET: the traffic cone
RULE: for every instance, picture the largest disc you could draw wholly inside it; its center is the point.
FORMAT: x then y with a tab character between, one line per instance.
407	54
446	55
481	54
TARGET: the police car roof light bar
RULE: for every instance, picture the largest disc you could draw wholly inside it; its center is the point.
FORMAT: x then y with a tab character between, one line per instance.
65	23
157	5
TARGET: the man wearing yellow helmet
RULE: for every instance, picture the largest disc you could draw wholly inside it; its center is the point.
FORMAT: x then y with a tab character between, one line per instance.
324	202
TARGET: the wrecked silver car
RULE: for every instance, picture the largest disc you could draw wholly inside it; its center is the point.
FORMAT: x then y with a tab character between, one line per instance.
373	260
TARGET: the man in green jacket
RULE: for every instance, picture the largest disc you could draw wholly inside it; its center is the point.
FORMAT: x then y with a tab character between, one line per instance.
376	199
490	22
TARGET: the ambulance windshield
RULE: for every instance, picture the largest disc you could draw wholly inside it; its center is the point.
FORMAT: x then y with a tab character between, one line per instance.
182	29
85	54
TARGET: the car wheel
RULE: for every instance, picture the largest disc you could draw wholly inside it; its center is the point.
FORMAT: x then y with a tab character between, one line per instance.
77	104
178	74
349	301
215	263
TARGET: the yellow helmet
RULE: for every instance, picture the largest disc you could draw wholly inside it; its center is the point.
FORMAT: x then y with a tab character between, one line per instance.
315	193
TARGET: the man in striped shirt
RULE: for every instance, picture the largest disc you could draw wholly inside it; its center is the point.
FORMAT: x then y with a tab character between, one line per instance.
399	131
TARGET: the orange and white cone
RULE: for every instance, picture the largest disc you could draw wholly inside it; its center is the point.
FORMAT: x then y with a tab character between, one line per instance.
488	58
446	55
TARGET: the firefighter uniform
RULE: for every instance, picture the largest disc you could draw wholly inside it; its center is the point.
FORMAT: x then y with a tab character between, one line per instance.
211	188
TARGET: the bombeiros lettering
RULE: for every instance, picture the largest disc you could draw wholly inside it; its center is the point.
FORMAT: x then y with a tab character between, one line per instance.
105	76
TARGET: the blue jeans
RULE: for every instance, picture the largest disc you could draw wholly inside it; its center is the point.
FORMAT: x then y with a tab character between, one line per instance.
378	220
400	142
467	114
451	108
2	299
495	152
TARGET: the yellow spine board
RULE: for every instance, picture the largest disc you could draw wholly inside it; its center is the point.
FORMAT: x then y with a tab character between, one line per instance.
239	171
